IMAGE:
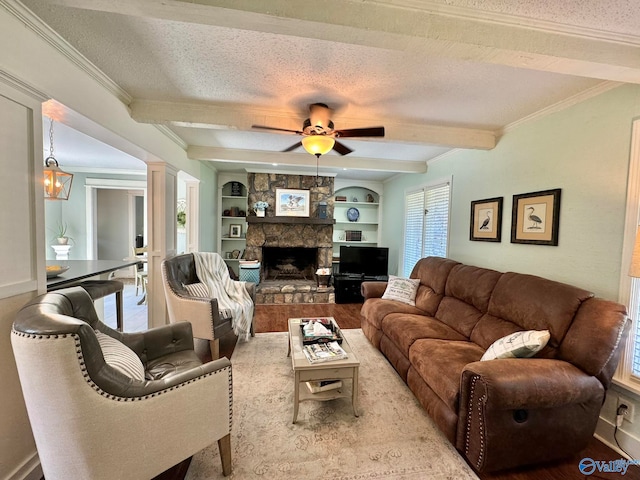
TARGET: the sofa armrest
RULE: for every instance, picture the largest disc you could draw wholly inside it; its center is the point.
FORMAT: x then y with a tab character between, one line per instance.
159	341
524	411
373	289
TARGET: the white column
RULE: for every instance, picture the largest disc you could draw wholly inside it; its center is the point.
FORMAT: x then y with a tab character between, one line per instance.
161	234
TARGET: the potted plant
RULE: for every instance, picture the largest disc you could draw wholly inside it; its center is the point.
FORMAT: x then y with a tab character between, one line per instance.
260	207
61	234
181	218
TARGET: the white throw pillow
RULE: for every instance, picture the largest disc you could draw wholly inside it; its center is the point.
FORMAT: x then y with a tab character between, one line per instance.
120	357
402	289
197	290
518	345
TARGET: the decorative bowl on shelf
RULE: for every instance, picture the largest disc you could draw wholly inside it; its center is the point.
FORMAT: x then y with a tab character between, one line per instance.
353	214
55	270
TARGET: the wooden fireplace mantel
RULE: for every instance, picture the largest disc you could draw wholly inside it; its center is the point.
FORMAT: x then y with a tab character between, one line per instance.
292	220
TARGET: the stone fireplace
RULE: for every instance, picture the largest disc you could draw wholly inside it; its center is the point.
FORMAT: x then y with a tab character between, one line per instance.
296	263
290	249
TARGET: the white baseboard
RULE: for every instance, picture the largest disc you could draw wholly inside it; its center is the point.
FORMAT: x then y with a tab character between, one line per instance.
604	432
29	470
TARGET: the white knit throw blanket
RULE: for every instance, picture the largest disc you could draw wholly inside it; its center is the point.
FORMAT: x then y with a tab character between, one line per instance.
232	295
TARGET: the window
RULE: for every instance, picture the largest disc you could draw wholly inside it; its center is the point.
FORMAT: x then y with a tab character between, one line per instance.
628	372
426	230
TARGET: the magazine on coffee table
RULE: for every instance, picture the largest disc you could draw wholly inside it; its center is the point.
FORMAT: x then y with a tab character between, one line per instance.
324	352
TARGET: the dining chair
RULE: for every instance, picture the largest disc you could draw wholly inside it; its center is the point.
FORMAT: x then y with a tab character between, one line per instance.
141	273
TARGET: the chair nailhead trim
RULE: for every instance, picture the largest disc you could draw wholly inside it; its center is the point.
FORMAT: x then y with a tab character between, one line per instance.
87	377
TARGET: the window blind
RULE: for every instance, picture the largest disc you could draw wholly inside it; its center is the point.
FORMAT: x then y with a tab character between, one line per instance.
634	308
426	224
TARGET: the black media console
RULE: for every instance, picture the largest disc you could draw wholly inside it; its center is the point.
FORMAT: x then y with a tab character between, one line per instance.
347	287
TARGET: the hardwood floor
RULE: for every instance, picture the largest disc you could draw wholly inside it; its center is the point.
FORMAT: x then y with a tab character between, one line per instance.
273	318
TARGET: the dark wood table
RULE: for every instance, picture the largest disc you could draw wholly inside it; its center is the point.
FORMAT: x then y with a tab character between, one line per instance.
82	269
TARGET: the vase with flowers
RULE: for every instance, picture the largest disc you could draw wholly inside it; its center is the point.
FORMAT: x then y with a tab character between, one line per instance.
259	208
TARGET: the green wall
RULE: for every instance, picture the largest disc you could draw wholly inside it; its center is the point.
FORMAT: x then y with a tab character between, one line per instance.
584	150
208	208
73	213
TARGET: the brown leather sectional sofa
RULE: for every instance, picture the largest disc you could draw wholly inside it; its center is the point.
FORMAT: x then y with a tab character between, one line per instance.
507	412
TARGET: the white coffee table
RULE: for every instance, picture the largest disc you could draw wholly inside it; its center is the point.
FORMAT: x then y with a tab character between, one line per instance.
304	371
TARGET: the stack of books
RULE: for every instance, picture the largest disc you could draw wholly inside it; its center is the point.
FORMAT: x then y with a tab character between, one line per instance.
324	352
318	386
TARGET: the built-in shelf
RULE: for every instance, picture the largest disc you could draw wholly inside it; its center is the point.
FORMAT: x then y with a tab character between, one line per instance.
357	204
355	224
294	220
352	242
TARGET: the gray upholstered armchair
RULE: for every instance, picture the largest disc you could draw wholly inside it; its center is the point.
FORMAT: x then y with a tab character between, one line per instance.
208	320
104	404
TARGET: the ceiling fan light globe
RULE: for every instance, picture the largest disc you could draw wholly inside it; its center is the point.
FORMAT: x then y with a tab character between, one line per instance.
318	144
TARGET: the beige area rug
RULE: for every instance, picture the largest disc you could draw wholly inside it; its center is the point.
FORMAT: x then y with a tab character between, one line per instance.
392	439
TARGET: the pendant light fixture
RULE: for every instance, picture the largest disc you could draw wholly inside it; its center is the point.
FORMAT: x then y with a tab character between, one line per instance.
57	184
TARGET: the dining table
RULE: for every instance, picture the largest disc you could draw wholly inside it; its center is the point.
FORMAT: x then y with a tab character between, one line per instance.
82	269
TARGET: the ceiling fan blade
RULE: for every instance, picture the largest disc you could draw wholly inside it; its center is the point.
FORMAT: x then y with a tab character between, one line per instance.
293	147
341	148
262	127
361	132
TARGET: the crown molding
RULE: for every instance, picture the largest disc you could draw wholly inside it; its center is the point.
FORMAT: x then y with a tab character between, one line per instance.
171	135
515	21
105	171
51	37
15	82
561	105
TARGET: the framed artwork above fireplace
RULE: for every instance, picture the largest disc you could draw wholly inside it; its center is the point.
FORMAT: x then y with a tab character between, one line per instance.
292	203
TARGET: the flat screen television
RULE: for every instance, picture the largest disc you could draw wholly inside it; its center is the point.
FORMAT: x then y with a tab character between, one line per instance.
369	261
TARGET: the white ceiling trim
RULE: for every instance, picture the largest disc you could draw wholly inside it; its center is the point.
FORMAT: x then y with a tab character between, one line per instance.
516	20
565	103
30	20
105	171
171	135
408	26
218	154
241	118
25	88
288	172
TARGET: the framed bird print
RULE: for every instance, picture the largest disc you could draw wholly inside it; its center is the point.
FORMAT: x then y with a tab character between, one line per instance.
535	218
486	220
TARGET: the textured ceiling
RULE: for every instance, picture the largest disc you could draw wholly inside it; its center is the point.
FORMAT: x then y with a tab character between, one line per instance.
437	74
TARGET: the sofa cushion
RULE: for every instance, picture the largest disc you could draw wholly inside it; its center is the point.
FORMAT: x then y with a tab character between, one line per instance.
490	328
459	315
375	309
535	303
403	330
433	273
518	345
401	290
472	285
440	364
117	355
